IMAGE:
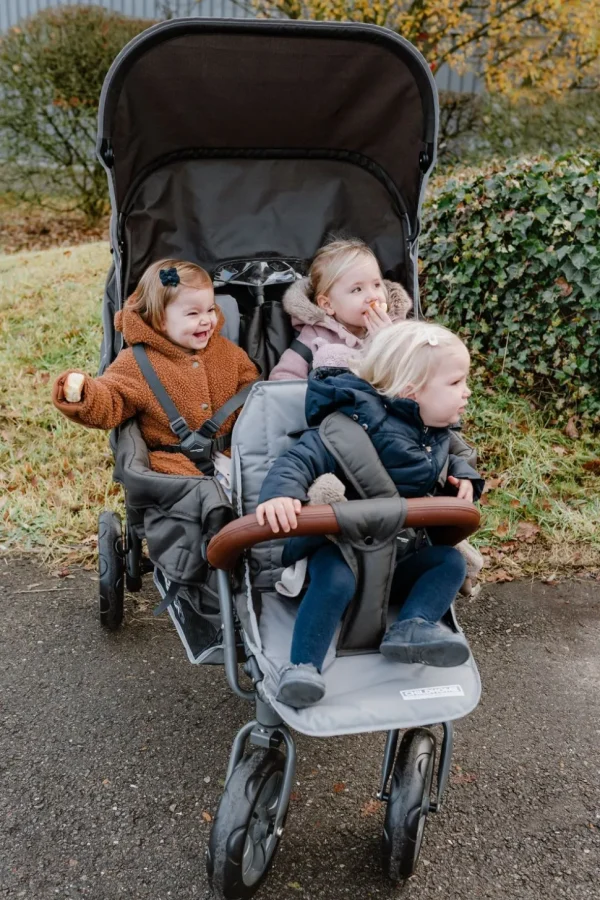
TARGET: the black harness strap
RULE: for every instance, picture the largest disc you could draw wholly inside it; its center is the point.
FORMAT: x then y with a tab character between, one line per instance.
169	598
303	351
178	424
199	446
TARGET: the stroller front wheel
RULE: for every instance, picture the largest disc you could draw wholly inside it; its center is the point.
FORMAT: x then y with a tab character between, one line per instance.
408	803
111	569
244	836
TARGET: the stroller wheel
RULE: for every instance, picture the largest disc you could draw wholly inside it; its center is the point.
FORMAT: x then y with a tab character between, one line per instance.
111	569
243	839
133	561
408	803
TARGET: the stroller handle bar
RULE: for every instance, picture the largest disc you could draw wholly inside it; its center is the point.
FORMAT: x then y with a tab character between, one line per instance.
447	519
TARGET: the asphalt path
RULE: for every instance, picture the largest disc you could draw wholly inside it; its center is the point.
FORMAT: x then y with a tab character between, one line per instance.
113	750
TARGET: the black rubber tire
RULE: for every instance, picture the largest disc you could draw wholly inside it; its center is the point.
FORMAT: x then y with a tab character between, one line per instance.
111	569
408	803
133	583
229	874
133	562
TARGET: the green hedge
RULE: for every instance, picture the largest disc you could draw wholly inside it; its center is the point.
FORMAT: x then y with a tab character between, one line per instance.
52	67
511	259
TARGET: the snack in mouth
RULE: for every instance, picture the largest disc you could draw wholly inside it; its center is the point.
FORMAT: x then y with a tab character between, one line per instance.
72	387
382	306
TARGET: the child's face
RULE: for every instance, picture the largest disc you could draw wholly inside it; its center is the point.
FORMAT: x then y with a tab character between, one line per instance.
350	297
191	318
443	399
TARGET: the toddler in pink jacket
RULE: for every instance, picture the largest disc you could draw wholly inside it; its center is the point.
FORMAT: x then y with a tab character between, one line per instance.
343	300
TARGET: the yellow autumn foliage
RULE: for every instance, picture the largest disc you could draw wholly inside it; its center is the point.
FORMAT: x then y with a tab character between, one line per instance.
549	46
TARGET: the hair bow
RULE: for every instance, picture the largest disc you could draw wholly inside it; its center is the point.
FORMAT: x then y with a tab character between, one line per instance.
169	277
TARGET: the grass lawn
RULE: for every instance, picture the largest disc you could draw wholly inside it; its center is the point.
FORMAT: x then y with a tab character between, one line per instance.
541	513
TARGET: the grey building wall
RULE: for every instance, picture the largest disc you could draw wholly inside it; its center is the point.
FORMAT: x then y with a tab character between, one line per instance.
11	11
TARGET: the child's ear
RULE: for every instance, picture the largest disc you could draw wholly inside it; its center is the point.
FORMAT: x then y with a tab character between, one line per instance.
409	392
323	303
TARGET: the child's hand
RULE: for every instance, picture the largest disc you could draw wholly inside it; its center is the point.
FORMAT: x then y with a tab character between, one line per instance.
376	317
465	487
279	511
73	386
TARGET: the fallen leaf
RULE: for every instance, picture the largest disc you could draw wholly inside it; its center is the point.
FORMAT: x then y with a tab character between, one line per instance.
593	466
371	807
339	787
498	576
491	484
527	532
294	885
571	429
559	449
515	504
465	778
502	529
62	573
207	816
294	795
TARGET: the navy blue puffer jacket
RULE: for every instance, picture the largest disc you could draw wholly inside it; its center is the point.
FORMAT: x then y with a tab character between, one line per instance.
413	454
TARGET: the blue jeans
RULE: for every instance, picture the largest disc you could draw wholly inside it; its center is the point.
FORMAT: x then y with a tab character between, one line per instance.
426	583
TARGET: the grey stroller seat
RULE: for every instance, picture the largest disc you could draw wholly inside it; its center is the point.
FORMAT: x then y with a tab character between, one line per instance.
364	692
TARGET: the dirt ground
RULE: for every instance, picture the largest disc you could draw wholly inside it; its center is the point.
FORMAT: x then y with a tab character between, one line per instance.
113	749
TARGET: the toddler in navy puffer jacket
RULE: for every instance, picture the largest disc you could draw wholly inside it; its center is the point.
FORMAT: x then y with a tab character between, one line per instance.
407	389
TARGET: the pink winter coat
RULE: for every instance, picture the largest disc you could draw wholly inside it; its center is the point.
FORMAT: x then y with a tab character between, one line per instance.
331	343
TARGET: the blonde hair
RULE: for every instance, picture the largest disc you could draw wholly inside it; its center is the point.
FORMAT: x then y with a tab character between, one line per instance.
332	260
401	358
151	297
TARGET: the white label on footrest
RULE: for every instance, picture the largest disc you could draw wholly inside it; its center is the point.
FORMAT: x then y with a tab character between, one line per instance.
431	693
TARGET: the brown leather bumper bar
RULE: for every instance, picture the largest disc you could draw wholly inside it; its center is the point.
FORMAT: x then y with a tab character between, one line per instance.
447	520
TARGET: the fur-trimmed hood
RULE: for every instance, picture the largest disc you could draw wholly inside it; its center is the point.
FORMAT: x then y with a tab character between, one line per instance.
303	311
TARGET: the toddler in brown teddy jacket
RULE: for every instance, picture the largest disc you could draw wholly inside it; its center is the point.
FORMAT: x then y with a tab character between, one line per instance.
173	314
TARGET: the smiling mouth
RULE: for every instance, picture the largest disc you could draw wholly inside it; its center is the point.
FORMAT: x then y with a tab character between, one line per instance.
202	334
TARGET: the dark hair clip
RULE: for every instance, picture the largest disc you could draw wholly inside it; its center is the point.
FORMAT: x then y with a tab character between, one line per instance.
169	277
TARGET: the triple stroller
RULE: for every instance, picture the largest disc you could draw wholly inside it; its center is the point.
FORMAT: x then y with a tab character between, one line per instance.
240	145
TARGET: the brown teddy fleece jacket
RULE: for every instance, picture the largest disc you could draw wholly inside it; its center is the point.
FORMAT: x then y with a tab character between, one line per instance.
199	383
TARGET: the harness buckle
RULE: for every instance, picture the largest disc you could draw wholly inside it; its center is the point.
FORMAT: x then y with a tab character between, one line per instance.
209	428
180	428
197	447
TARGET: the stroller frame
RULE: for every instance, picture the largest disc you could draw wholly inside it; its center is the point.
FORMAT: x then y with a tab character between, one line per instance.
356	161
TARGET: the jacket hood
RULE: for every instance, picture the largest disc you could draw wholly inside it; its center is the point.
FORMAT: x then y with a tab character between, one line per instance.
303	311
331	390
136	331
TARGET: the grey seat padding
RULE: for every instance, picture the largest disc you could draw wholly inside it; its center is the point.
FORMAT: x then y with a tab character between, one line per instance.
231	314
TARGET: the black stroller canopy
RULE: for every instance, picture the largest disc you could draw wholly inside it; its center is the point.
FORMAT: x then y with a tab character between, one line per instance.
282	88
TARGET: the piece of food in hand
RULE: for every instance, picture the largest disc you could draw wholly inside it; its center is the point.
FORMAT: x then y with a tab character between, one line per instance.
72	387
382	306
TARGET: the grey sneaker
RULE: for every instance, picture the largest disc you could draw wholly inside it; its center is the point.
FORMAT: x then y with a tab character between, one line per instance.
301	686
420	641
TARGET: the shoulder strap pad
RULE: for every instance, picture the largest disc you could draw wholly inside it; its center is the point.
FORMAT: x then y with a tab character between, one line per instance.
353	450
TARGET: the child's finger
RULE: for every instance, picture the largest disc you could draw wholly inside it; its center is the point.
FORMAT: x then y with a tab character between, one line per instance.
272	518
297	506
260	514
290	514
282	515
453	480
